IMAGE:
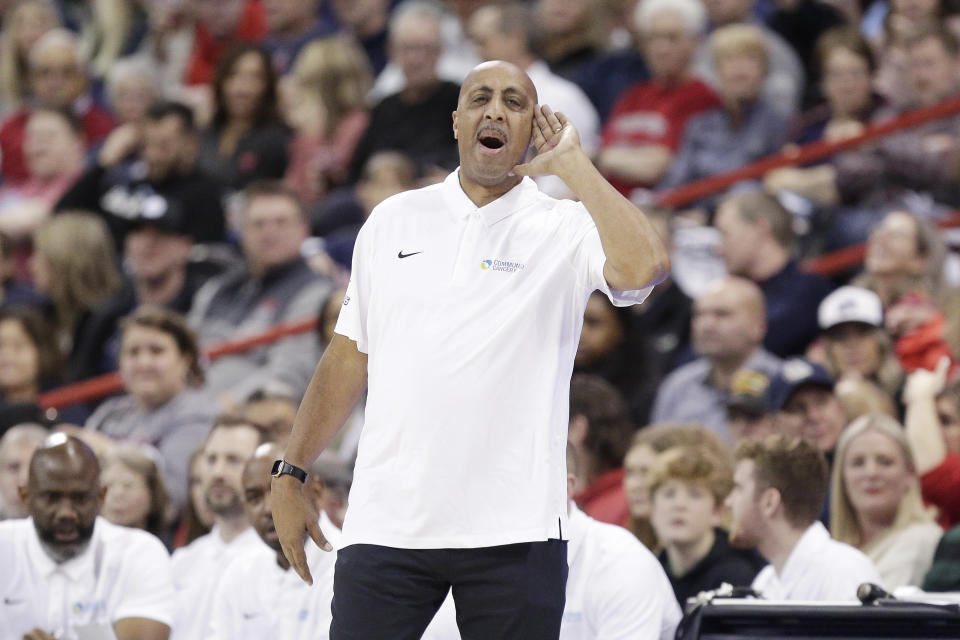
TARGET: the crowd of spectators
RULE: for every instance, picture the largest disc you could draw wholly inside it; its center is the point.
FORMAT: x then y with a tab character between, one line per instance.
174	175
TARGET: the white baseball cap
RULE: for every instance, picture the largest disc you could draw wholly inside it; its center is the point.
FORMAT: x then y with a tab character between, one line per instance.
850	304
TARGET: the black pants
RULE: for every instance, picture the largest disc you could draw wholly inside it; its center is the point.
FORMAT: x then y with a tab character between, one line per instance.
509	592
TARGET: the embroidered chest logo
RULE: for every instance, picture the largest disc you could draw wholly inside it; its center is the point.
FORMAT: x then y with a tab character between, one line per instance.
501	265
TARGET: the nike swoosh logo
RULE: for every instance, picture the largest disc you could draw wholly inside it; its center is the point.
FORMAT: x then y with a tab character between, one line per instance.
403	255
11	601
248	616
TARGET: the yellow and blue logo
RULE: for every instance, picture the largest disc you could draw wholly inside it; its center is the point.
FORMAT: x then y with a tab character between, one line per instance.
501	265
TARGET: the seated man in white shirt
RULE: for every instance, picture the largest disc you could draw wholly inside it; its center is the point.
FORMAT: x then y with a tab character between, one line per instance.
779	486
64	569
616	589
197	567
258	596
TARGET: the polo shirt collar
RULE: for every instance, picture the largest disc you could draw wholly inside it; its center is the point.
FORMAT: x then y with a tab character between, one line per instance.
519	197
75	569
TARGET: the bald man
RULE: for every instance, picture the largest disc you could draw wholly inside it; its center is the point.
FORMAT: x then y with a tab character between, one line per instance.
467	297
65	568
727	329
58	79
258	596
506	32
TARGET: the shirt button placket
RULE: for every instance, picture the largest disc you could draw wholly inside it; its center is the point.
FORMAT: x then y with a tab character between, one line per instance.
466	252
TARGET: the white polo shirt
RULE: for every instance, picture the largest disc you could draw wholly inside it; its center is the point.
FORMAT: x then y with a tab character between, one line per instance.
255	598
818	569
124	573
196	571
471	318
616	589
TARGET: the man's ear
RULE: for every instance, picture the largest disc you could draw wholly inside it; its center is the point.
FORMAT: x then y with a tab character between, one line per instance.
102	495
770	502
454	115
579	428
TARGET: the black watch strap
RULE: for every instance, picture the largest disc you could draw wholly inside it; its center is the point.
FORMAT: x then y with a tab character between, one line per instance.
280	467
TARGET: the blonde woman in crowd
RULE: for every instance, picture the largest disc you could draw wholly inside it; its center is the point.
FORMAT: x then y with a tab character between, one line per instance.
640	459
136	492
74	264
22	27
876	504
324	102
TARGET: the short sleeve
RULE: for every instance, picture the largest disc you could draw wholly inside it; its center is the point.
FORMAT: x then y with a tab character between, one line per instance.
590	259
352	321
148	590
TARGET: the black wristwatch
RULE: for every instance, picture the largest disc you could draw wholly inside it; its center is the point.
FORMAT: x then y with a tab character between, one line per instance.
280	467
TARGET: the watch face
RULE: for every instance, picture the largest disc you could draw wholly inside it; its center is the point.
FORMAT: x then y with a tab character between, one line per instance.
277	466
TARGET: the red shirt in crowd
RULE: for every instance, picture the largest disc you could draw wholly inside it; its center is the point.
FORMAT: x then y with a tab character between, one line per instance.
653	113
208	49
97	124
605	499
941	487
923	347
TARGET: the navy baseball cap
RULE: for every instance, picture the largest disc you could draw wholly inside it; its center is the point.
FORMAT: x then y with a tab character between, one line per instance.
748	391
795	373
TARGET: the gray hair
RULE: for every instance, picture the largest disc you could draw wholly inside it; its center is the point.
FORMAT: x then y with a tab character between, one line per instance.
132	67
693	12
416	11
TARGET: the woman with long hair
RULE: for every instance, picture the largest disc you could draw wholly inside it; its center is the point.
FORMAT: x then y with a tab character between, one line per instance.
22	27
876	504
30	362
74	264
136	491
324	102
246	140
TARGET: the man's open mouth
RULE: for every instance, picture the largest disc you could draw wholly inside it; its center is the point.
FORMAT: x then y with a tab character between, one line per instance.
492	139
